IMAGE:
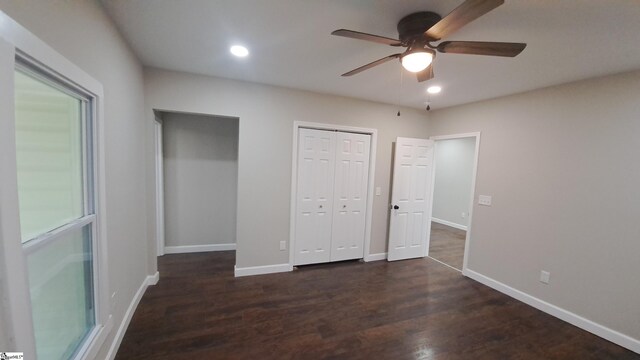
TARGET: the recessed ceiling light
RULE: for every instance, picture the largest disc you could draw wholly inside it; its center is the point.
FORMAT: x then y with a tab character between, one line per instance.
434	89
239	51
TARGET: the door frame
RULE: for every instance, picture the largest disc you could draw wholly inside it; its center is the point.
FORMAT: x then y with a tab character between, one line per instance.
474	175
159	170
297	125
158	173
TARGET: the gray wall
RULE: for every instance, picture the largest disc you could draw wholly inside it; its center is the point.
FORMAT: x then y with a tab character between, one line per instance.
200	179
562	166
453	176
266	116
82	32
5	341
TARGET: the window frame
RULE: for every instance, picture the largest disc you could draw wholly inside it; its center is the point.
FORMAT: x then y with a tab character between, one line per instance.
21	50
87	159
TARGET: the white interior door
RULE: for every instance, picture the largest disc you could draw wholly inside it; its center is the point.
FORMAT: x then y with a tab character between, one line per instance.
411	199
350	196
314	202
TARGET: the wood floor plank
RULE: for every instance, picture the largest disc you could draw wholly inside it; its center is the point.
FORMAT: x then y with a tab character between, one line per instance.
413	309
447	244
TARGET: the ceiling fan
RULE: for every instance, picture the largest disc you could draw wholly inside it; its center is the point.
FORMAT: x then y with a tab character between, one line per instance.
417	31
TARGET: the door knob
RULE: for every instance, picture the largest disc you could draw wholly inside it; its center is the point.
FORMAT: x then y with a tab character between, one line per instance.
396	207
344	206
320	206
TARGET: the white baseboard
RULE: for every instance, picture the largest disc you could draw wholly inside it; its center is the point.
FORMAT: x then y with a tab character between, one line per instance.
375	257
562	314
122	329
198	248
260	270
153	279
449	223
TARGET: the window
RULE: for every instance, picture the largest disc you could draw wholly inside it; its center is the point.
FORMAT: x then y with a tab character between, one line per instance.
53	248
54	140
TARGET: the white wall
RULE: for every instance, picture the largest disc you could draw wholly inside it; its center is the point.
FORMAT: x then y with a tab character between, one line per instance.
200	179
266	116
562	166
453	176
82	32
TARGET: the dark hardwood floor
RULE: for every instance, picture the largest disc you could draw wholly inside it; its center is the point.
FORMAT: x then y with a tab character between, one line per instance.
413	309
447	244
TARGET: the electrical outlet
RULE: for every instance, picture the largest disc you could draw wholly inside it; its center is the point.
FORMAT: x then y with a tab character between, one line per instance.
464	215
544	276
484	200
283	245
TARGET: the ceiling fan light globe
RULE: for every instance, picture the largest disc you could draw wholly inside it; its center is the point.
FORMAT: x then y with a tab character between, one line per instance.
416	61
239	50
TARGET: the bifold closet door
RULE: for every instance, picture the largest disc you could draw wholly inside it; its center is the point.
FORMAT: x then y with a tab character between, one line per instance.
350	196
316	168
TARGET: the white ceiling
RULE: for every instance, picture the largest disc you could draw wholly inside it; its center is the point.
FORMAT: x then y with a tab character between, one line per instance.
291	45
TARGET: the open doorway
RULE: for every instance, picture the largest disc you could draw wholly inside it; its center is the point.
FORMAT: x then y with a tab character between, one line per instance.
197	180
455	161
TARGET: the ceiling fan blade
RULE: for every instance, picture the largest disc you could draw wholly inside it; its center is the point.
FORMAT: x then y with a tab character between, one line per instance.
368	37
371	64
481	48
461	16
426	74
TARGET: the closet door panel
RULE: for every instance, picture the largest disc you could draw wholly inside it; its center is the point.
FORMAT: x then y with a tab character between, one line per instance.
314	208
350	196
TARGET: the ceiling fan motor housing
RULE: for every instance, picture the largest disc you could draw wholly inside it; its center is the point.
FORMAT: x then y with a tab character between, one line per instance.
413	26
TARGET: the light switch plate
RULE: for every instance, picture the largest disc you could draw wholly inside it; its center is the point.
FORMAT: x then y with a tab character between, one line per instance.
545	276
378	191
283	245
484	200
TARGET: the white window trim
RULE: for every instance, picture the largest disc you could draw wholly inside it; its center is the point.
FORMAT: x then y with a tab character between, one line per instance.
15	41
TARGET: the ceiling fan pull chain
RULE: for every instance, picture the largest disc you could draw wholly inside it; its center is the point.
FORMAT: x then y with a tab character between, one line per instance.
399	92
